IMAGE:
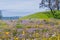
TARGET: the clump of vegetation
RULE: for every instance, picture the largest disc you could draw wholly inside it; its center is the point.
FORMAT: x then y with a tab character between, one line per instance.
19	26
57	15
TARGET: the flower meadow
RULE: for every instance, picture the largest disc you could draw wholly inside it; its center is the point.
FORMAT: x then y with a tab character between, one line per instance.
30	29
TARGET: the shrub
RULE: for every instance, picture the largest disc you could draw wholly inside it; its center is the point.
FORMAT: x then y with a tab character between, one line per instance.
57	15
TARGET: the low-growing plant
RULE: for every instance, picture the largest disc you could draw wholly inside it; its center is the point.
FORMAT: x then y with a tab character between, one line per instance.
19	26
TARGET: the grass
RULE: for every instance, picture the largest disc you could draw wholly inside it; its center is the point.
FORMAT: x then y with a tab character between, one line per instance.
2	24
39	15
42	15
19	26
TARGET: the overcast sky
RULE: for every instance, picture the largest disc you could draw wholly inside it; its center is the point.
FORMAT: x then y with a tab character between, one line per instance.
19	7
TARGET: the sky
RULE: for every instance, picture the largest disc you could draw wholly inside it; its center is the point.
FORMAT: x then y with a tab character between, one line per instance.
19	7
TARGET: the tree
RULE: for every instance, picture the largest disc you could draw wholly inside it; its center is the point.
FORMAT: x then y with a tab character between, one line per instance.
52	5
48	4
57	4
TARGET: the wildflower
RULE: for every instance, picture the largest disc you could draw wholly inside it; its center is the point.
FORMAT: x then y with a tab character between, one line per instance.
37	26
16	38
37	35
23	39
23	32
7	33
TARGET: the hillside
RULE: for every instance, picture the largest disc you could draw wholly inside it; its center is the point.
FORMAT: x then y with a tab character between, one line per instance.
39	15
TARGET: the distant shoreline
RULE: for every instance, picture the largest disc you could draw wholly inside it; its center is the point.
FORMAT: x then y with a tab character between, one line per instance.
11	18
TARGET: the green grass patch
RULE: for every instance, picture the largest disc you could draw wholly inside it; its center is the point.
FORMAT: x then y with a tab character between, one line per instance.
39	15
19	26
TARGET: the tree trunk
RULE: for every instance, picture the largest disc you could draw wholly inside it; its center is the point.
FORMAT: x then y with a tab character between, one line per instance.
57	4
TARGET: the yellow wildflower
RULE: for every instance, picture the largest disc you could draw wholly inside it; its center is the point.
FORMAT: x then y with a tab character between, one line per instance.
16	38
23	39
7	33
23	33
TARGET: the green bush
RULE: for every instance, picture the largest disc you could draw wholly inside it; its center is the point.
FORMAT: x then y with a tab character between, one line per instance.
57	15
